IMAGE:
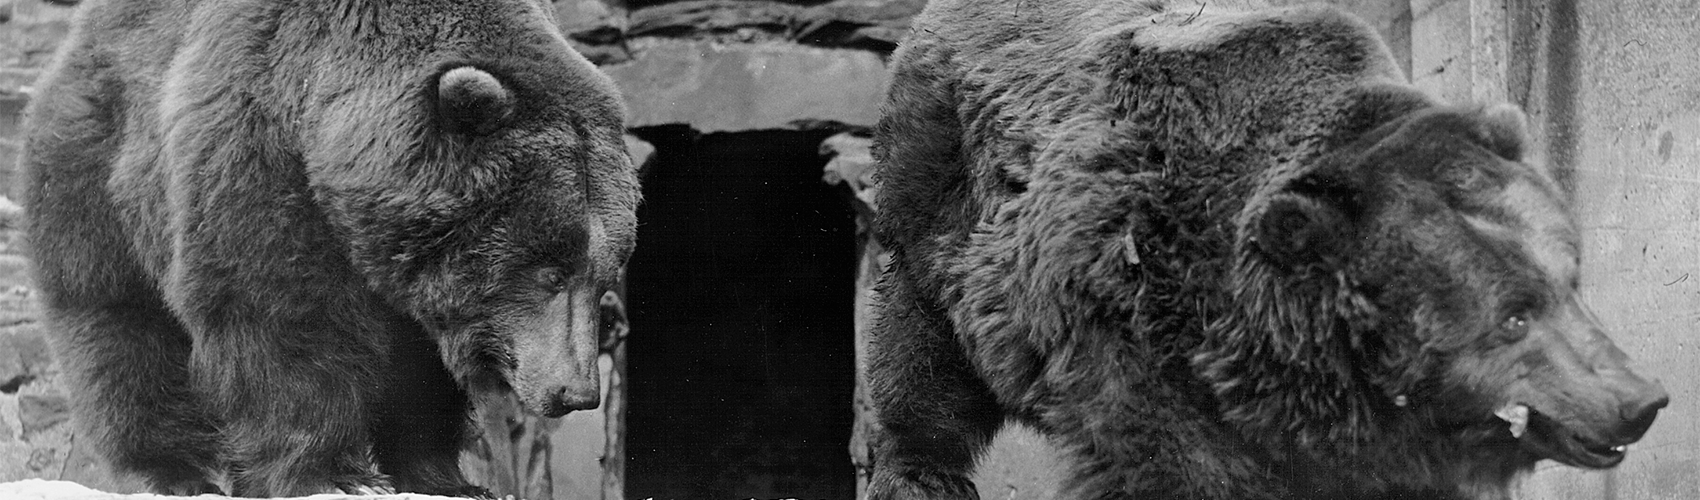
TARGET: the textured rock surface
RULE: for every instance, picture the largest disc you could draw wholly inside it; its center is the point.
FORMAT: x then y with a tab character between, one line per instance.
601	27
717	87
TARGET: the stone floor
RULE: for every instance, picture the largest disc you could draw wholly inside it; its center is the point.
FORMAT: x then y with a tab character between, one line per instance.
36	489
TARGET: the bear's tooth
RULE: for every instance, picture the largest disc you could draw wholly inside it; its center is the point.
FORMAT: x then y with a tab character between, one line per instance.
1517	415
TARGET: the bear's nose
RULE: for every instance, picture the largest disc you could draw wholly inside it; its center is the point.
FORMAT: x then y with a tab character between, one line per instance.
570	399
1638	410
1639	403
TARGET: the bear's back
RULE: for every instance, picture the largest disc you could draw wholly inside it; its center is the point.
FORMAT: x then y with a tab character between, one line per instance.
331	78
1210	86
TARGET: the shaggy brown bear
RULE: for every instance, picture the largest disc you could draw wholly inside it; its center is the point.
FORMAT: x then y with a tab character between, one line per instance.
280	242
1222	254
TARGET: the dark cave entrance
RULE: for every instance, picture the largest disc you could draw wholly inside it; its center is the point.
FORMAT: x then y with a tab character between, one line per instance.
741	355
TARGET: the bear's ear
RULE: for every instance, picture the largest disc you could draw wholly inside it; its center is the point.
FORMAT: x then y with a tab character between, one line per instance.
472	101
1504	131
1309	223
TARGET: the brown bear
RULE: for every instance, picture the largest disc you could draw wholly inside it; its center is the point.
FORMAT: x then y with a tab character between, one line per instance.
1220	254
281	242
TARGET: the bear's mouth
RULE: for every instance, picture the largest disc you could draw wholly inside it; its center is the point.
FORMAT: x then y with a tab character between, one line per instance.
1551	439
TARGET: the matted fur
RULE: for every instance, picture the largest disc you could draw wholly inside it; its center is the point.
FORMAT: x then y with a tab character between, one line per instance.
1212	253
278	242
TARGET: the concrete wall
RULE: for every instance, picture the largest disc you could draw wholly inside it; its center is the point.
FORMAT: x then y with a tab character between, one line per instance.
1625	115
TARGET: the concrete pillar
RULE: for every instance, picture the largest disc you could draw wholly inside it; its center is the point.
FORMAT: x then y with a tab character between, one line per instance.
1630	131
1458	49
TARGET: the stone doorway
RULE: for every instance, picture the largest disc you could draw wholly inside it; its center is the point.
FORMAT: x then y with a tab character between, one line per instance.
741	302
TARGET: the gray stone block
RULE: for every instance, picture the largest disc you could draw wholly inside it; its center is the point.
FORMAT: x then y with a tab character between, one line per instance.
39	413
733	87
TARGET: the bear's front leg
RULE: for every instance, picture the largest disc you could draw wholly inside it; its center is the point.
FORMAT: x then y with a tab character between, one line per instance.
936	414
1131	435
293	383
422	421
132	400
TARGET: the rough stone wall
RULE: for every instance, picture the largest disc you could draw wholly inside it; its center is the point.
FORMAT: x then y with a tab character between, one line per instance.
35	441
29	31
601	27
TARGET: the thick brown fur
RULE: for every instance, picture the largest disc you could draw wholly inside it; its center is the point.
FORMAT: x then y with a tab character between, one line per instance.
1223	254
279	242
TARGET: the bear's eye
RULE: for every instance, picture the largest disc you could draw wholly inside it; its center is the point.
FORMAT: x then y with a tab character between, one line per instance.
552	278
1515	327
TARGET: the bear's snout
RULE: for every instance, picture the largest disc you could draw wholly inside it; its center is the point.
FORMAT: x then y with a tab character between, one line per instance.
1639	404
569	399
1587	404
556	353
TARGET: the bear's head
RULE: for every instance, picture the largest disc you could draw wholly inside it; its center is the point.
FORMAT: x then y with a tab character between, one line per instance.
1409	303
492	200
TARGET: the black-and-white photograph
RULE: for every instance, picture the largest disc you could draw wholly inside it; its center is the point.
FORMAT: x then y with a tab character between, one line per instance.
850	249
